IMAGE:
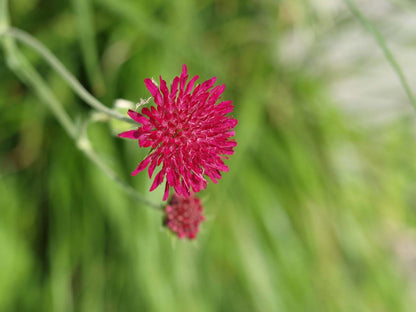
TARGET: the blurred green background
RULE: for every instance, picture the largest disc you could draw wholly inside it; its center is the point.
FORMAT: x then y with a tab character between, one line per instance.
317	212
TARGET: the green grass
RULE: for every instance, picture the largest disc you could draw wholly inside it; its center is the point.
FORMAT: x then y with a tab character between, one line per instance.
310	217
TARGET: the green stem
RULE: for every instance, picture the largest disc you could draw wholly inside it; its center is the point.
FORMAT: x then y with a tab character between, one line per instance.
383	45
19	64
85	146
60	68
27	73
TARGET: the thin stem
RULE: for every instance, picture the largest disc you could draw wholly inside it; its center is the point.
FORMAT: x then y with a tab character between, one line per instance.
26	72
383	45
60	68
19	64
84	145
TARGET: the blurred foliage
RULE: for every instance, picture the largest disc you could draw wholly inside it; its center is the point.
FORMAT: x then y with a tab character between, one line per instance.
317	212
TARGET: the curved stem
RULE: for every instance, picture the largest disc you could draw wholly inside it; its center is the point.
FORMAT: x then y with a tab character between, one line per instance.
84	145
66	75
383	45
19	64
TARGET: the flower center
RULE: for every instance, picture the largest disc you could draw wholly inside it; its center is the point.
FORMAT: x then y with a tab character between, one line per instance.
177	132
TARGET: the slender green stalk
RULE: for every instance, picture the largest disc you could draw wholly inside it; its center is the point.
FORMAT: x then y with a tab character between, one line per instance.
85	146
19	64
60	68
383	45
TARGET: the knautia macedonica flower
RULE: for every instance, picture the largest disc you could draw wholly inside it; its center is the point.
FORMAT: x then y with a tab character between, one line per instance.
183	215
188	131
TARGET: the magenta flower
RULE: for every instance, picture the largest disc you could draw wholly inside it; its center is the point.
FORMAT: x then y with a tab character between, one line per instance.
183	215
188	132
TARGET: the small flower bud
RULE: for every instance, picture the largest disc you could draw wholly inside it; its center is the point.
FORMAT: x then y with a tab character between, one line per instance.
183	215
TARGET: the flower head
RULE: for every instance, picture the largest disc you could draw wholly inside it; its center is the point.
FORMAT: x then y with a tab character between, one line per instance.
183	215
188	131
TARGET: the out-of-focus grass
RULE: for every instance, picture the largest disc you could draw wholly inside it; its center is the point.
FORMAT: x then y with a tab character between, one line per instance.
312	216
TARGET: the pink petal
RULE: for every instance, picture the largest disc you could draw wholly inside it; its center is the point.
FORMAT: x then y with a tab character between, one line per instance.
184	71
224	107
174	89
137	117
143	164
169	175
222	167
153	90
158	180
208	84
166	195
152	165
131	134
145	142
190	85
152	114
164	89
182	81
231	133
185	188
215	93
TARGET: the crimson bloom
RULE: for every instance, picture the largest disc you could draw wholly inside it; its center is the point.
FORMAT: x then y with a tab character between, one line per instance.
183	215
188	131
